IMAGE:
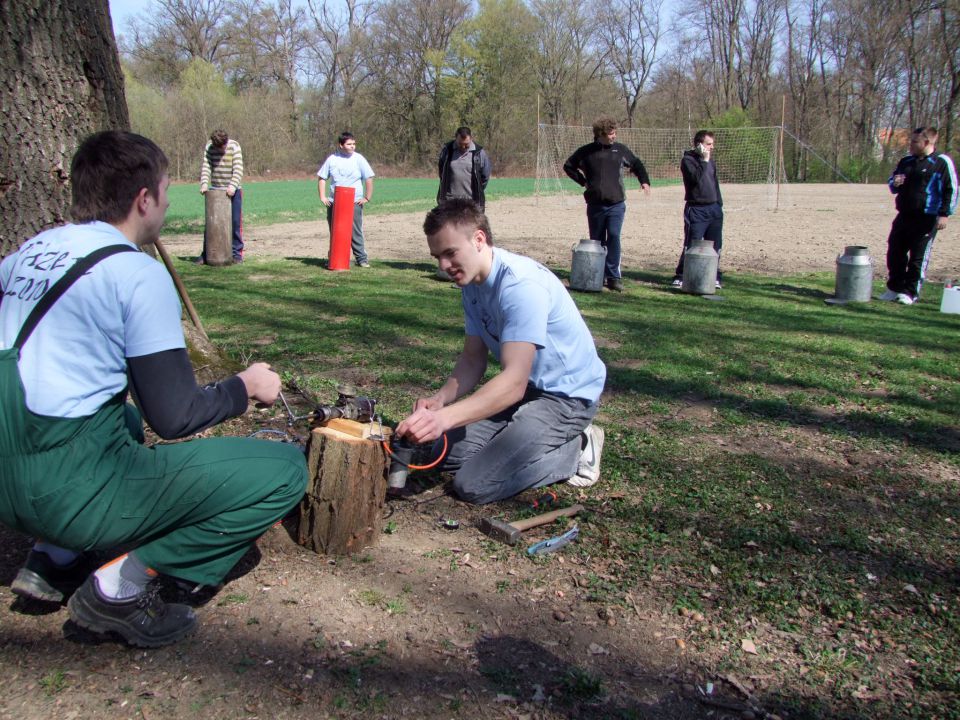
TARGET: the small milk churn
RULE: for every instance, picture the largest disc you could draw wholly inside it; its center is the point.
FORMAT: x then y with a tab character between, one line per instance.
586	269
700	262
854	275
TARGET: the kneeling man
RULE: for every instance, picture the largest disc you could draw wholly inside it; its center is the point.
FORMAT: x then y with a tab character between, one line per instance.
86	317
530	425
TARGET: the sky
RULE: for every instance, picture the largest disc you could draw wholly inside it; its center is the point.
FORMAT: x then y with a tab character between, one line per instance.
122	10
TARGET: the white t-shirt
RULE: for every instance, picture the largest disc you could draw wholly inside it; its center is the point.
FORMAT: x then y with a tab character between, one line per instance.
125	306
346	171
522	301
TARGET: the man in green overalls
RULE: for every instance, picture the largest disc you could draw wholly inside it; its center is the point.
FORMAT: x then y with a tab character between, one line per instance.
83	315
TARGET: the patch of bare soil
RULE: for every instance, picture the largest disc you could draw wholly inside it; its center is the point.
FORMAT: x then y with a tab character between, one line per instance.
434	623
811	227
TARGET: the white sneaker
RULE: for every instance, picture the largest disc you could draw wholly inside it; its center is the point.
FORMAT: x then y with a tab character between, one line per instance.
905	299
588	471
676	282
719	286
889	296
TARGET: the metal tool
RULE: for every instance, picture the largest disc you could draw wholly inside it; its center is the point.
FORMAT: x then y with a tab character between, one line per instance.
555	543
349	406
509	533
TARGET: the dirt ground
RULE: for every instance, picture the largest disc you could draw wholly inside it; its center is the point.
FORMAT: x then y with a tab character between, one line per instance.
434	623
810	227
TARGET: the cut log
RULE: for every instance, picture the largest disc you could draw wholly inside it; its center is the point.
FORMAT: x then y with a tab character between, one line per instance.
342	511
218	230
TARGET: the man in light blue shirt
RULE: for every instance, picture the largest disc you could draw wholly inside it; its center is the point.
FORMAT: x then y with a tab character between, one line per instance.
348	168
530	425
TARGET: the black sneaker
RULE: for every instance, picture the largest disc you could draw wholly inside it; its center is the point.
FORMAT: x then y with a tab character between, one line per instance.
144	620
615	284
41	579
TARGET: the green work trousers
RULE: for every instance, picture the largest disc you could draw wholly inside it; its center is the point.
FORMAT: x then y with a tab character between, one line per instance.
191	509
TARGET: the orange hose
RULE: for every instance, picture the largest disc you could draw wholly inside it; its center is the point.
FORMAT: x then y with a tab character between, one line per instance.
443	454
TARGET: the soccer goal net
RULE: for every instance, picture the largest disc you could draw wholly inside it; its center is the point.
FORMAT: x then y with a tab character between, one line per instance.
750	155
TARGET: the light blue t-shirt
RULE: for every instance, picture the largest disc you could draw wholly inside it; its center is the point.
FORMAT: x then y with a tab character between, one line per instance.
125	306
522	301
340	170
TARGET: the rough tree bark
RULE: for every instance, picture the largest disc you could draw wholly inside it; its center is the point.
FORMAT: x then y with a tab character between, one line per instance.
61	80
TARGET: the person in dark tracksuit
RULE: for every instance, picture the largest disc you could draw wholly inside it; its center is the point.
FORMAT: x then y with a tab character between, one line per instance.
464	169
925	183
598	166
703	208
85	318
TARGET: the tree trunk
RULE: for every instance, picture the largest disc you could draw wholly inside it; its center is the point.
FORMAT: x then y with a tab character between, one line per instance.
61	81
342	511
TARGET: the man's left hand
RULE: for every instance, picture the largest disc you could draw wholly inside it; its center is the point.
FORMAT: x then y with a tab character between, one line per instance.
645	188
231	191
941	222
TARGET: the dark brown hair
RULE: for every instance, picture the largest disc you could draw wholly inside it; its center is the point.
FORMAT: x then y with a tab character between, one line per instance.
462	212
603	126
109	170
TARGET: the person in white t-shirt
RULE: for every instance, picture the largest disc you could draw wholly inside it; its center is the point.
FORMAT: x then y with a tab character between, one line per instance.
85	317
348	168
530	425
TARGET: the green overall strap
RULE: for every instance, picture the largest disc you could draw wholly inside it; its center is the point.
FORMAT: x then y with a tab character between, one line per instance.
80	267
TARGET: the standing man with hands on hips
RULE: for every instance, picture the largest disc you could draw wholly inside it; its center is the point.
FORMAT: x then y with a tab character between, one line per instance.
348	168
599	166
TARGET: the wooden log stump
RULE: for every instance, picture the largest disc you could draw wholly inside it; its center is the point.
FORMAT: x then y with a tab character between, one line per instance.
218	232
342	511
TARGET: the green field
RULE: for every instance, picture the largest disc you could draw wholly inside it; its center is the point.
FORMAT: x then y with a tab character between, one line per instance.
775	468
267	203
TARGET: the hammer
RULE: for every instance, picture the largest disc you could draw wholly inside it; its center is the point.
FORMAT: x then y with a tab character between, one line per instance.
510	532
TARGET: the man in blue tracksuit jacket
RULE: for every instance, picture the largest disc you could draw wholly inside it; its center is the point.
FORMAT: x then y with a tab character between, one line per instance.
925	183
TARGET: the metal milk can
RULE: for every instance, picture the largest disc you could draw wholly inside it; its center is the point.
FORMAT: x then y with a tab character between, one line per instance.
700	263
854	275
586	268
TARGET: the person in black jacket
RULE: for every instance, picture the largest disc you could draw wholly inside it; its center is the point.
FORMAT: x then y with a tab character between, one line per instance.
925	183
464	168
598	166
703	208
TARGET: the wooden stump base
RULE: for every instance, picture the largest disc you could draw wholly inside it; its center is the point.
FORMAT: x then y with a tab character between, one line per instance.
342	511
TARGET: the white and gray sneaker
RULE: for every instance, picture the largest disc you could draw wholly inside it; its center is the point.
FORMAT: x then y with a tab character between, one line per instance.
588	471
905	299
889	296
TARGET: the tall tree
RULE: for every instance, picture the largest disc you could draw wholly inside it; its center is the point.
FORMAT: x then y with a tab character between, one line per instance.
565	58
412	42
172	33
62	81
269	48
629	37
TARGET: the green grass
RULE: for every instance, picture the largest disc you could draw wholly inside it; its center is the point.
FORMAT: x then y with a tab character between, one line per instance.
783	467
280	201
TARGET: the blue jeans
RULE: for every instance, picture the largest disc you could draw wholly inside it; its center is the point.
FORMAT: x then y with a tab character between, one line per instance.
531	444
701	222
236	217
605	223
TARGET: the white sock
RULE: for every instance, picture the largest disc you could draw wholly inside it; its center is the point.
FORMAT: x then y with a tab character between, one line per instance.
123	577
60	556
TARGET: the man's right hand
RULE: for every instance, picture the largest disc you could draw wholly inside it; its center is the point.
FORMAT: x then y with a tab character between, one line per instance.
327	202
262	383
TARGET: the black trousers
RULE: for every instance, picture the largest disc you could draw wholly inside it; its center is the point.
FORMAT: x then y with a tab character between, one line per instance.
908	251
